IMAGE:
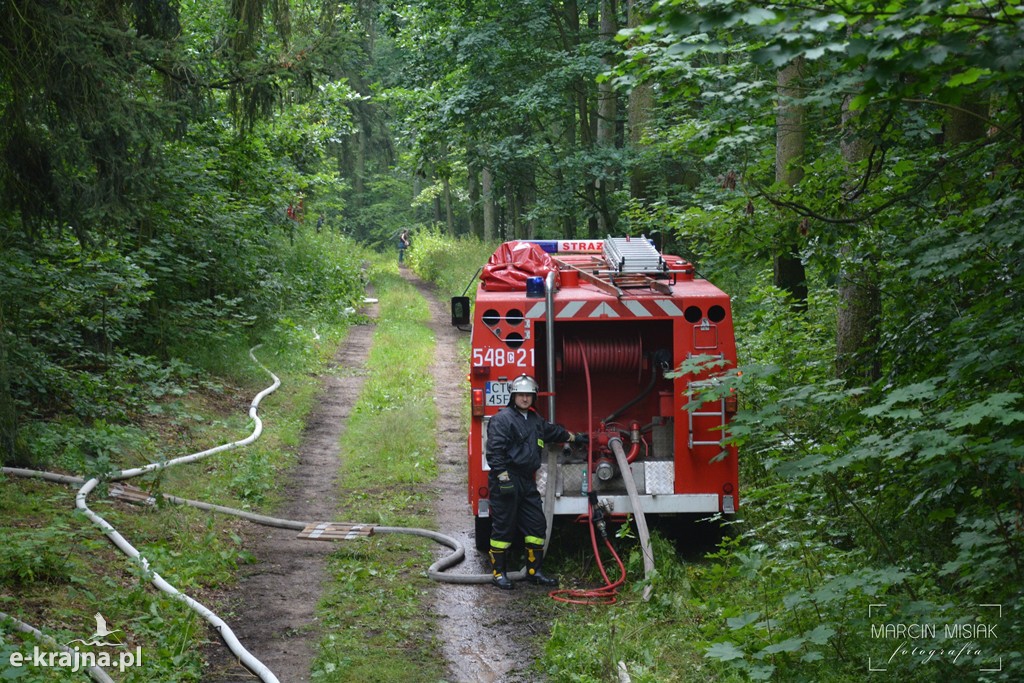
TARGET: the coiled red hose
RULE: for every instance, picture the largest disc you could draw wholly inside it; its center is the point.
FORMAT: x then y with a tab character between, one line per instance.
606	595
602	354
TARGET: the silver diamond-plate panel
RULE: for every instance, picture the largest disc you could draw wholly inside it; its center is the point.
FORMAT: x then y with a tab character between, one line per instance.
542	479
572	478
661	476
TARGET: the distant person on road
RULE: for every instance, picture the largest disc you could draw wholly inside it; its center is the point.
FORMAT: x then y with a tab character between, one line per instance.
403	244
515	437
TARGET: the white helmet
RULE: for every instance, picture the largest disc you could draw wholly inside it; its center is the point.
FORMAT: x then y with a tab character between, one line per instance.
523	384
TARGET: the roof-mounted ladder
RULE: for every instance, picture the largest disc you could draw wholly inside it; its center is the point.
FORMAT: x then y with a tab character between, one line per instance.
627	263
633	255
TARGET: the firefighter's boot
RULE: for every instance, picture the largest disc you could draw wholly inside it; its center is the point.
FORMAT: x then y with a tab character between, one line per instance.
534	559
499	569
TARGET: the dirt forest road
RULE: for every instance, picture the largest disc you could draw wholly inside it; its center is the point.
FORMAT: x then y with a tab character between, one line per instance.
487	636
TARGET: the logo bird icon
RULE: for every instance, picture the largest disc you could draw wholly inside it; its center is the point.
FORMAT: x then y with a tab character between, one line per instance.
101	632
101	628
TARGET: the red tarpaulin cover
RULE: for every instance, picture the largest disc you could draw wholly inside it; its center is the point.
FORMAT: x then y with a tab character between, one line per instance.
512	263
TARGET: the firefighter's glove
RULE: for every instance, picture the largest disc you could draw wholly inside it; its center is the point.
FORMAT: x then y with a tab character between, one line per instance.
505	487
580	439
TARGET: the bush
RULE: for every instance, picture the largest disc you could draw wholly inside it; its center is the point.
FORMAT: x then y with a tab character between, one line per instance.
451	263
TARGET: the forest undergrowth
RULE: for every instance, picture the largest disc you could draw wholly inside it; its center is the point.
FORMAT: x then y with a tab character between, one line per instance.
854	520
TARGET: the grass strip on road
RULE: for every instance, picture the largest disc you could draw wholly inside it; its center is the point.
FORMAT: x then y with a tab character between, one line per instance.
376	606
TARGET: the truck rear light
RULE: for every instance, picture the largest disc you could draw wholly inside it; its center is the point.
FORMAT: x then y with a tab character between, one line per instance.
727	488
478	403
482	492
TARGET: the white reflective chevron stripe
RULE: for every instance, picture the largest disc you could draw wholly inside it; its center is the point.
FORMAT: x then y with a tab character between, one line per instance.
570	309
604	309
538	310
615	309
637	308
669	307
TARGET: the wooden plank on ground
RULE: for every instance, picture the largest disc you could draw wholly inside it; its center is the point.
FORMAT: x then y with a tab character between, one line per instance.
335	531
131	494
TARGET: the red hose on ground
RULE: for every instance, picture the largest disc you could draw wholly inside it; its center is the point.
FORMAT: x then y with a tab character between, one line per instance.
606	594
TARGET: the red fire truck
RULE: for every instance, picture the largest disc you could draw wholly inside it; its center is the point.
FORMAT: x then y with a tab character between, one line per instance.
601	325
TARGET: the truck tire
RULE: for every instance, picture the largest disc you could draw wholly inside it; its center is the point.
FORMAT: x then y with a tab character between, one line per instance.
482	533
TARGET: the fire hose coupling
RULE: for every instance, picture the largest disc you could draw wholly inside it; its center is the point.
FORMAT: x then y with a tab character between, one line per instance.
615	441
605	469
662	360
597	515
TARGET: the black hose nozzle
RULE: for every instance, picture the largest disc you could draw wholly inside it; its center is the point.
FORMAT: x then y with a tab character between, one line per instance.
597	515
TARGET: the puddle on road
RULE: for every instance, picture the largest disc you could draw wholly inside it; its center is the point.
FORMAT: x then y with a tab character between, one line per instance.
485	632
488	635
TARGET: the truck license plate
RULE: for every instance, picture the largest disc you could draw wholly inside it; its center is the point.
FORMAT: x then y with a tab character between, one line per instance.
498	393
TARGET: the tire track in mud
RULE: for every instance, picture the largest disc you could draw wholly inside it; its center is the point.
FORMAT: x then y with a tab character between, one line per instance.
274	602
488	635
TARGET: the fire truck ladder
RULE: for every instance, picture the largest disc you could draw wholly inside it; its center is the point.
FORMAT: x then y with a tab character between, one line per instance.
692	392
633	255
630	263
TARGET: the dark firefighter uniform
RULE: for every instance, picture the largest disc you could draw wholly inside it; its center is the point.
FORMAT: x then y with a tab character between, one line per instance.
515	439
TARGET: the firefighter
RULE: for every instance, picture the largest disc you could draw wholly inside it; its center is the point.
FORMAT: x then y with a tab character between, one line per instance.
515	437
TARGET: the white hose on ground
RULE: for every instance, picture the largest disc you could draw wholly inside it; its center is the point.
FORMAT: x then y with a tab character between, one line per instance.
638	512
96	673
256	432
435	571
247	659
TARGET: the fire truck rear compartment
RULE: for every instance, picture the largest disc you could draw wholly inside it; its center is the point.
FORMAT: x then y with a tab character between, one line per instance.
620	359
626	362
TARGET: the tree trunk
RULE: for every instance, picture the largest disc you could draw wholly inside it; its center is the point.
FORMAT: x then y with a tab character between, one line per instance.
529	201
638	114
490	224
512	202
449	214
476	216
607	113
9	450
860	301
789	150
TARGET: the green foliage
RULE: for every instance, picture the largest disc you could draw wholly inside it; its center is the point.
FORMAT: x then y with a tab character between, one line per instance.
907	487
511	88
42	555
150	156
451	264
